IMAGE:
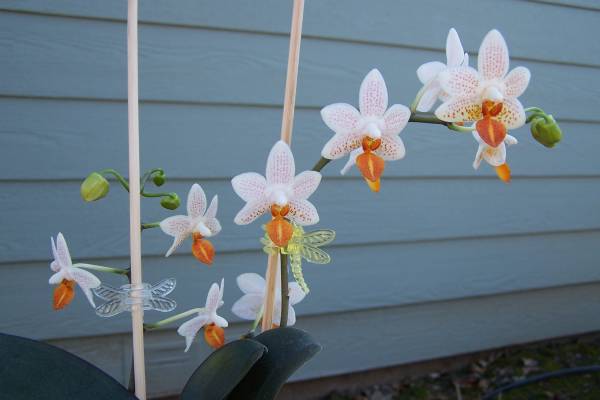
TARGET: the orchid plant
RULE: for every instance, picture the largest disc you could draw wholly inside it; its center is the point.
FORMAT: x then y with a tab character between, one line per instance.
483	102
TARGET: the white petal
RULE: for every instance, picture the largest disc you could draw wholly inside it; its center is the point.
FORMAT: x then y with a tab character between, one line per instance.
465	62
392	148
492	61
459	110
220	321
341	118
221	292
395	119
303	212
460	81
201	228
177	226
213	225
512	114
249	186
196	201
495	156
56	278
516	82
455	53
429	71
189	329
510	140
429	96
211	212
479	155
212	298
305	184
296	293
351	160
251	282
291	316
341	144
248	306
86	281
373	95
251	211
62	251
176	243
280	165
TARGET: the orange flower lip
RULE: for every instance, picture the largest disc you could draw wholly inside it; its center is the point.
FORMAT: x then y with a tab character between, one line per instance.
280	231
63	294
203	249
491	131
214	335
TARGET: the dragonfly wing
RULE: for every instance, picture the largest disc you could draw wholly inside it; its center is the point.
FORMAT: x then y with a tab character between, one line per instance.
315	255
110	308
296	268
319	238
106	292
163	304
163	287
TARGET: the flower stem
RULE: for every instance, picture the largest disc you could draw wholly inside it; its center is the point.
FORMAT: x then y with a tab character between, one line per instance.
148	175
257	320
285	295
415	103
150	225
320	164
118	271
426	118
118	176
166	321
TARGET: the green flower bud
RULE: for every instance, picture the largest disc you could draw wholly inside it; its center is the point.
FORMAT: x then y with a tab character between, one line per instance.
170	202
94	187
546	130
159	178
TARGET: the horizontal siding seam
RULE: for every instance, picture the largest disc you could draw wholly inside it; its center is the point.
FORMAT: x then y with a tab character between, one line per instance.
466	238
286	35
557	3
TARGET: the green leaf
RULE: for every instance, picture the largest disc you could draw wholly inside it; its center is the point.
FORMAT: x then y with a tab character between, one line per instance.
223	370
288	350
35	370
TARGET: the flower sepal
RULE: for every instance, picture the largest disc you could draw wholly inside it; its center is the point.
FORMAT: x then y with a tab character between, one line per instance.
94	187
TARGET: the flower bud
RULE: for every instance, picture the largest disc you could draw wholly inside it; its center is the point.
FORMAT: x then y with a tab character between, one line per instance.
159	178
546	131
94	187
170	202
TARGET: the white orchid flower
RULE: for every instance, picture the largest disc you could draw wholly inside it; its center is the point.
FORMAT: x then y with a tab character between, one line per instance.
199	220
489	94
66	274
374	129
429	73
281	188
206	316
249	306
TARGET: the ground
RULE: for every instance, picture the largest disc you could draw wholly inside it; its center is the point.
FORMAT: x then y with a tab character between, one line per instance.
498	369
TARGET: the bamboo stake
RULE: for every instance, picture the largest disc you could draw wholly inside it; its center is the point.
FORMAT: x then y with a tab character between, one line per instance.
287	124
137	312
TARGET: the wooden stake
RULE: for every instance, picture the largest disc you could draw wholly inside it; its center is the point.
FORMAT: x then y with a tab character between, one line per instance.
135	248
287	124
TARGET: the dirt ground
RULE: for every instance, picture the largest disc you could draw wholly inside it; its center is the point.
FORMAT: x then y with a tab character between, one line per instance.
498	369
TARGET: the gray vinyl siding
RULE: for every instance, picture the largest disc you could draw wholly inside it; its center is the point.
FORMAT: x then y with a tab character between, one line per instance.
443	261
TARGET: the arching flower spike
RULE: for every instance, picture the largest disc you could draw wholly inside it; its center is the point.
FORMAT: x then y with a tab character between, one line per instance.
370	136
429	73
66	275
200	223
488	96
249	306
213	324
495	156
281	191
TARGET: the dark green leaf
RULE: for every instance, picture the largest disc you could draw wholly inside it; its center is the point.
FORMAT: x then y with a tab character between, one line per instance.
222	370
288	350
38	371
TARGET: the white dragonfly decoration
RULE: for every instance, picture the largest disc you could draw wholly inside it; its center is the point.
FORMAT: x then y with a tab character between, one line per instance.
151	297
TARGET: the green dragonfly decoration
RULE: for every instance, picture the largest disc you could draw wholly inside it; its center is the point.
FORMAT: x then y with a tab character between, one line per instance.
302	245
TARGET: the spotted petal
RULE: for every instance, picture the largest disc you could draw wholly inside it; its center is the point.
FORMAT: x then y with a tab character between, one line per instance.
429	96
280	165
303	212
305	184
512	114
249	186
62	251
341	118
460	81
213	299
395	119
251	211
516	82
459	110
341	144
86	281
196	201
373	95
190	329
492	61
392	148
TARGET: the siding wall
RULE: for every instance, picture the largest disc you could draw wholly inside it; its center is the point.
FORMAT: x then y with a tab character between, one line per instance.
442	261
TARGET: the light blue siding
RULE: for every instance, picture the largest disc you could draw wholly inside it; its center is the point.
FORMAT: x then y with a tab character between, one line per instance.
443	261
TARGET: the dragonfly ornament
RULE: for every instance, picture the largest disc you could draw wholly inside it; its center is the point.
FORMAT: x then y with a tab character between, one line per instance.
151	297
302	245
